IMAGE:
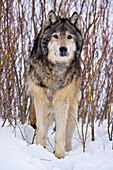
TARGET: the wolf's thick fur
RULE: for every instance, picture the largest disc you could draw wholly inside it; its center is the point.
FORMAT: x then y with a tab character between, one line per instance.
53	79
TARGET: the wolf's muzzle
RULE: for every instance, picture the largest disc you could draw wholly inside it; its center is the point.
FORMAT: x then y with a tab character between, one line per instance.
63	51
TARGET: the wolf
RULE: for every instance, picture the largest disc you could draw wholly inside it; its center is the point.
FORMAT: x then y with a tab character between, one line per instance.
53	75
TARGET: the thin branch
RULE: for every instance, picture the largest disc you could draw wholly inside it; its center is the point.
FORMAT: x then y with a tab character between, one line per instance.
7	117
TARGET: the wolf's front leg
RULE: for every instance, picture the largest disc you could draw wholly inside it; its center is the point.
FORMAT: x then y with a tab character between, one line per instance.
61	111
71	123
40	109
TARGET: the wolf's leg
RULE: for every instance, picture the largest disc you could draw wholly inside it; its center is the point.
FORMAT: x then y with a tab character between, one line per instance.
40	108
61	111
70	127
32	114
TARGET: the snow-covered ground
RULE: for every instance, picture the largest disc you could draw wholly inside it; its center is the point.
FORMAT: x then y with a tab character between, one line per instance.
17	154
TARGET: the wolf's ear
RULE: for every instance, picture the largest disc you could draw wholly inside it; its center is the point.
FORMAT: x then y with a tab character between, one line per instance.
51	18
75	20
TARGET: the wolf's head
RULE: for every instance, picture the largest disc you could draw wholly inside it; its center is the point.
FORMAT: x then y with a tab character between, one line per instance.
60	40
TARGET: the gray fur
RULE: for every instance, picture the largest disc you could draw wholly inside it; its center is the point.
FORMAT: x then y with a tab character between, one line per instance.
43	72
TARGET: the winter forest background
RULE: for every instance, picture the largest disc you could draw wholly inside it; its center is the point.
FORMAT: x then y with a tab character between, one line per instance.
20	22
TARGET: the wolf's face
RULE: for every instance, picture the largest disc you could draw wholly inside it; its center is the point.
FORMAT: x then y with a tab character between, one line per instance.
61	47
61	40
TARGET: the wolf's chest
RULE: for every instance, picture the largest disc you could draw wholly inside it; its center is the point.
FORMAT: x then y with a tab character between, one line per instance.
52	78
49	94
56	80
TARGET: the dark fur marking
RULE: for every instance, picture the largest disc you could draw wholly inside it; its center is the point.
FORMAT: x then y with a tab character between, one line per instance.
43	72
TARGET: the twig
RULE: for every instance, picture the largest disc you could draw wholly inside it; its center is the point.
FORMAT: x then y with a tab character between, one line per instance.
77	127
21	132
50	144
7	117
34	136
76	139
4	122
45	159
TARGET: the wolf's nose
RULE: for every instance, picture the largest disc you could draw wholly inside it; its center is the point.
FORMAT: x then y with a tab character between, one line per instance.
63	49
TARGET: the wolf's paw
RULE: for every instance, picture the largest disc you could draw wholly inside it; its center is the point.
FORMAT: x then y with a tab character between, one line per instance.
68	147
41	140
60	155
59	148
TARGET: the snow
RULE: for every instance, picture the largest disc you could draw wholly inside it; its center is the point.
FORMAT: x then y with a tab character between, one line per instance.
19	154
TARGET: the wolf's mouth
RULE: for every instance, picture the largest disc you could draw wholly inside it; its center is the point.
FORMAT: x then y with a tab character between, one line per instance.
61	54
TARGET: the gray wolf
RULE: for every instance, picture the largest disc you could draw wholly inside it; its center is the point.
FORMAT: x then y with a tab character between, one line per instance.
53	79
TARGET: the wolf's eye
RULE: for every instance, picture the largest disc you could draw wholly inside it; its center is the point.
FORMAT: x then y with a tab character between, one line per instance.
69	37
55	36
